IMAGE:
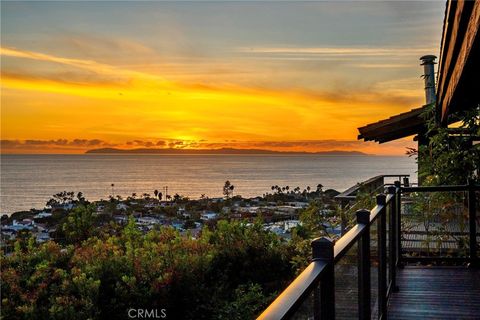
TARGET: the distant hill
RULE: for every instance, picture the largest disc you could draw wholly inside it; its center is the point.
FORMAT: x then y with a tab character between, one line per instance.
215	151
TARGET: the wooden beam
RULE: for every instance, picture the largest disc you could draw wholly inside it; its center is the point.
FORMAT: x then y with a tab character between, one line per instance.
449	50
385	122
445	37
454	74
394	130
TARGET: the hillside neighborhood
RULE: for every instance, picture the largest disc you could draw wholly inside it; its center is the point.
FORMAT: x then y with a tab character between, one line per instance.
279	212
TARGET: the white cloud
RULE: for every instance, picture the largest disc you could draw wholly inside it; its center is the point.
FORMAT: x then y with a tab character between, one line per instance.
337	51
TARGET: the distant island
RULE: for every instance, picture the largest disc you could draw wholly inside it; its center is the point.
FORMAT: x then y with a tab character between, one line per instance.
218	151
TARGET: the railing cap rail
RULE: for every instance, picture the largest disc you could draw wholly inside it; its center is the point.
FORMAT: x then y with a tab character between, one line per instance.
442	188
349	193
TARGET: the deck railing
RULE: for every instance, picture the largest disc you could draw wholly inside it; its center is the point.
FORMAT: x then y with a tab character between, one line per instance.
470	232
316	284
371	186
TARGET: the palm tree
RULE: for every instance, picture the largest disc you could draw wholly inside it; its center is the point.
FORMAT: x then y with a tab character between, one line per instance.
155	192
160	195
176	197
228	189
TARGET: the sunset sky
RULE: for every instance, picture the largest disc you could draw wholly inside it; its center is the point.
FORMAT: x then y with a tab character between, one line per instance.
271	75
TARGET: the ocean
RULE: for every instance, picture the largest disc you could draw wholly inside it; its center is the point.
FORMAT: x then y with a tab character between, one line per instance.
29	181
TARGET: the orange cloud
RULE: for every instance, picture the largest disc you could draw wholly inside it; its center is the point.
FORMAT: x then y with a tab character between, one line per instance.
82	145
104	102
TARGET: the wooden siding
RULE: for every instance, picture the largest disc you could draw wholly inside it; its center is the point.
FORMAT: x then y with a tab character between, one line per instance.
459	58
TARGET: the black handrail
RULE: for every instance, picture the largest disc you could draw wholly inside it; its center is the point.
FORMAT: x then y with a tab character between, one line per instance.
291	298
318	278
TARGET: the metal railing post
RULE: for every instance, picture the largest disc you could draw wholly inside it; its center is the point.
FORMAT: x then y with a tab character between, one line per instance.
364	283
382	257
392	239
324	297
398	223
472	222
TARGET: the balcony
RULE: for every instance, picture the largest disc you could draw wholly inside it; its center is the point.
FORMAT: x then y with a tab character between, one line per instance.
413	256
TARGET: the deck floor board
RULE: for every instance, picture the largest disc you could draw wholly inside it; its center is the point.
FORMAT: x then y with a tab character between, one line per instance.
436	293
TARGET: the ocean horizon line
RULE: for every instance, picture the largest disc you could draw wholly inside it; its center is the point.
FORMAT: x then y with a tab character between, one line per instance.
205	154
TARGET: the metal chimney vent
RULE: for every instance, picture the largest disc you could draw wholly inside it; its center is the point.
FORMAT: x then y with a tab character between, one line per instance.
428	63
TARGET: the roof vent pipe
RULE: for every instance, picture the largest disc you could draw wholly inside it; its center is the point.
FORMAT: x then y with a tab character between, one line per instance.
428	63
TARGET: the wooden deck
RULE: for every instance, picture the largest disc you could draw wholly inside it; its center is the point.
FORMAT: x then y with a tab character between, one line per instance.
436	293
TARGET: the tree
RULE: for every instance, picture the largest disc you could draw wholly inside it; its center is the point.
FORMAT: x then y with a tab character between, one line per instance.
233	271
61	198
449	159
248	299
80	224
189	224
228	189
176	197
80	198
155	192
